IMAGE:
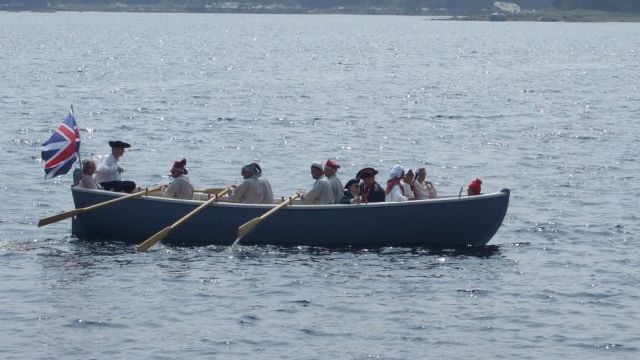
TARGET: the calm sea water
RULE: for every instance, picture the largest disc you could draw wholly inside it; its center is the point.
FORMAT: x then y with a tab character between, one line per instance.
549	110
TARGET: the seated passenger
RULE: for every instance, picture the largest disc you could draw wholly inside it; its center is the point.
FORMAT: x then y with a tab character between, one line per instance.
407	184
250	191
330	169
180	187
320	193
109	172
370	190
474	187
265	186
87	181
424	189
394	191
351	192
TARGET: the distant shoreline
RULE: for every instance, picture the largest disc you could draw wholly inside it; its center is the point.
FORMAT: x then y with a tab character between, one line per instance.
528	15
555	16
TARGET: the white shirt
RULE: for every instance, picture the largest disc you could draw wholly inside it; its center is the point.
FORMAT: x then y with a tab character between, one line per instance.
267	193
108	170
425	190
88	182
407	190
337	189
249	192
180	188
320	193
395	195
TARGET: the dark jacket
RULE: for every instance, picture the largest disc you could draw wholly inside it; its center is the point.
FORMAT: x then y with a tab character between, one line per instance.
376	194
347	198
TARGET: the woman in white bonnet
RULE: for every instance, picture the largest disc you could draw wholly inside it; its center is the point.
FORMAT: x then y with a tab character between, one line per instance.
395	192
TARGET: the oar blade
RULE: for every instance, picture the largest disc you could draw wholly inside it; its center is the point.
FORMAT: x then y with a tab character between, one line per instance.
147	244
236	242
248	227
58	217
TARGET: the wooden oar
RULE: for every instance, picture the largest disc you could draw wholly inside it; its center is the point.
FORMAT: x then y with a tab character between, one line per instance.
211	191
247	227
68	214
147	244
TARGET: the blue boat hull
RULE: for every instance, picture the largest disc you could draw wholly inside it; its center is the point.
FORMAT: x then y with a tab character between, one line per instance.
442	222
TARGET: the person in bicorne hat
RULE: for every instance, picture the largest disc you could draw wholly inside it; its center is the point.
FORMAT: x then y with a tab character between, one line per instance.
351	192
475	187
109	171
180	187
330	169
370	190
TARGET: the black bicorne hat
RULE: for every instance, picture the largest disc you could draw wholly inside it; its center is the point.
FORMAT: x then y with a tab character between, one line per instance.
351	182
120	144
366	172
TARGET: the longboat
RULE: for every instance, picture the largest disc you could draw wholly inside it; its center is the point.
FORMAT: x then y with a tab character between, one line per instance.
443	222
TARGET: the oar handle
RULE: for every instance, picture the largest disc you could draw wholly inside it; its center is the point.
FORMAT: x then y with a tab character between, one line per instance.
247	227
199	208
145	245
139	193
281	205
68	214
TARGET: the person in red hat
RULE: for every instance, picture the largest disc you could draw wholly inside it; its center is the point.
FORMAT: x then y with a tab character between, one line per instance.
474	187
330	169
180	187
109	171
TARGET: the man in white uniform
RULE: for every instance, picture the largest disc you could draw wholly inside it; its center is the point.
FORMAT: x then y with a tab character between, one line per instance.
108	173
320	193
330	169
265	185
250	191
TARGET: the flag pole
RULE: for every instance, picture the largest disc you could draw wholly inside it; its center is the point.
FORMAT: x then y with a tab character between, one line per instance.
79	158
77	174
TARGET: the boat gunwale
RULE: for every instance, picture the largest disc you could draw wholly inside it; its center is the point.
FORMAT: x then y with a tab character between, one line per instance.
224	204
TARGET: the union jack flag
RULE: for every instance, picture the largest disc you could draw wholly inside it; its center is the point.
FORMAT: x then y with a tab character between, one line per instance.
62	149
